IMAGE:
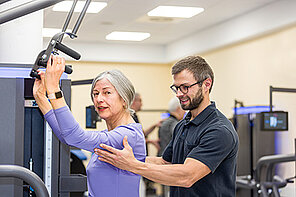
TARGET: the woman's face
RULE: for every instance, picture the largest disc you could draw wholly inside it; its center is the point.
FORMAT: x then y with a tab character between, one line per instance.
106	100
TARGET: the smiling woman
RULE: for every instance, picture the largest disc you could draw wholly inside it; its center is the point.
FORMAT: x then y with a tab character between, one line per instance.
112	94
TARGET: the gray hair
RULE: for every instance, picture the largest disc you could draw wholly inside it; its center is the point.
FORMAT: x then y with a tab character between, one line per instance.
174	103
121	83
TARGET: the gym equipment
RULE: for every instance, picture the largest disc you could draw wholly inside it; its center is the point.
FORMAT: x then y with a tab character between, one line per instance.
91	117
275	89
26	175
55	43
27	140
274	121
25	9
256	131
254	143
270	183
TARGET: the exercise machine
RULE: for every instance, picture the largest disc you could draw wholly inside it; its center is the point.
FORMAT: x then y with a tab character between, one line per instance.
268	184
26	139
26	175
258	146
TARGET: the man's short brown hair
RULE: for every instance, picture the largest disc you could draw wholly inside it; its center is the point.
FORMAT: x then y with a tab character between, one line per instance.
197	66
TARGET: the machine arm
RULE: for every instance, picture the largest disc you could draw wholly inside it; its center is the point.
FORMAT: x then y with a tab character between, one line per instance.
23	173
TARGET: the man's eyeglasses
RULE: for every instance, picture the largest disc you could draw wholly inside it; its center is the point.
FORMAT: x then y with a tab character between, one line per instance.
183	88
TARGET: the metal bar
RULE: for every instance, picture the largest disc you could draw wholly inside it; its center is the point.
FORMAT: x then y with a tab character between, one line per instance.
81	82
283	89
16	65
25	9
3	1
272	160
68	19
270	98
274	89
275	191
264	190
23	173
81	16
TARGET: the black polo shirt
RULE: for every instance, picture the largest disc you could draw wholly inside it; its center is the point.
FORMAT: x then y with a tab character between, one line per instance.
211	139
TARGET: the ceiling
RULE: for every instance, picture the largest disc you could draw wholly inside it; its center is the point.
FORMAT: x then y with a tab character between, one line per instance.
131	15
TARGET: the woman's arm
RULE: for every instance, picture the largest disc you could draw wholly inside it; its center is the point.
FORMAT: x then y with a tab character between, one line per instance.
45	106
74	135
53	123
54	70
39	93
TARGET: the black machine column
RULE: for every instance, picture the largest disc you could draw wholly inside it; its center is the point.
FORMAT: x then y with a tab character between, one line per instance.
12	131
27	140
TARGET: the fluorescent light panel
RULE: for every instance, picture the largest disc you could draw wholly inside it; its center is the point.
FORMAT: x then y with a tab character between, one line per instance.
65	6
50	32
128	36
175	11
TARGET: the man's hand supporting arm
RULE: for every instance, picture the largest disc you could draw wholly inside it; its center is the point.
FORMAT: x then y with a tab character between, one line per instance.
155	169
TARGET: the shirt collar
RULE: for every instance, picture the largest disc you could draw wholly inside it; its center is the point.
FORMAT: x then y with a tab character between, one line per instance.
173	116
201	116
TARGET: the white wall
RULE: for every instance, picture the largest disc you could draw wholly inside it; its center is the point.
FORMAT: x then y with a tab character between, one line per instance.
246	70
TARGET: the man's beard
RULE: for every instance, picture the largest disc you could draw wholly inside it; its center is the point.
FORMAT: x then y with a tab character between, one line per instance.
195	102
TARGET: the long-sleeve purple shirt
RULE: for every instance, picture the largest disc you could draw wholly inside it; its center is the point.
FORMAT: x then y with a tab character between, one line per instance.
103	179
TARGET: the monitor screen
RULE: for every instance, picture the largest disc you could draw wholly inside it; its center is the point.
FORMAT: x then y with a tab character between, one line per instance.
274	121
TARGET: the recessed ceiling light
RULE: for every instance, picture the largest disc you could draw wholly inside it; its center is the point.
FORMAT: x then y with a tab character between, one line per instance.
175	11
65	6
50	32
127	36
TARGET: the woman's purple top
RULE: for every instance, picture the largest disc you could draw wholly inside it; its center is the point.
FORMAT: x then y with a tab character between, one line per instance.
103	179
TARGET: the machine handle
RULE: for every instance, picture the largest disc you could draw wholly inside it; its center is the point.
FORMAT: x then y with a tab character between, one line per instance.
67	50
68	68
25	174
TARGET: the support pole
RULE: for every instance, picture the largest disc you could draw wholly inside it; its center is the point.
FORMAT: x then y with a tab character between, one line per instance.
25	9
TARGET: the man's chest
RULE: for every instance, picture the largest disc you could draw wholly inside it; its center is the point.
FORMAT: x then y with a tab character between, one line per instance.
185	140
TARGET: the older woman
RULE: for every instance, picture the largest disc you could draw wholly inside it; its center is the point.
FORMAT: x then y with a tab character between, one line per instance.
112	94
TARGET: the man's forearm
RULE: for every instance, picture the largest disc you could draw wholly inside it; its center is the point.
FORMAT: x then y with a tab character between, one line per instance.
170	174
156	160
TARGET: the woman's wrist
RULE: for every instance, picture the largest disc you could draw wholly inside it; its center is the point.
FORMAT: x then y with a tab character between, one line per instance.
40	95
41	99
52	90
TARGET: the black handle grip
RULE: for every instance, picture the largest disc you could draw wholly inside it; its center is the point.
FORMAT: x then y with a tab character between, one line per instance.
68	68
67	51
34	73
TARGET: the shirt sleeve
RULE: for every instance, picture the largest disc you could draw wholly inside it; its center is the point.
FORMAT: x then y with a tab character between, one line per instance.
213	147
52	121
74	135
168	152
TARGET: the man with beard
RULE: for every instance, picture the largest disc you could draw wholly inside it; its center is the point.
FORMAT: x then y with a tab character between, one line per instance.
200	160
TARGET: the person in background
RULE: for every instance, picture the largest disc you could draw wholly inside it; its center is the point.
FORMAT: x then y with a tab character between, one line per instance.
112	94
200	160
137	106
165	132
